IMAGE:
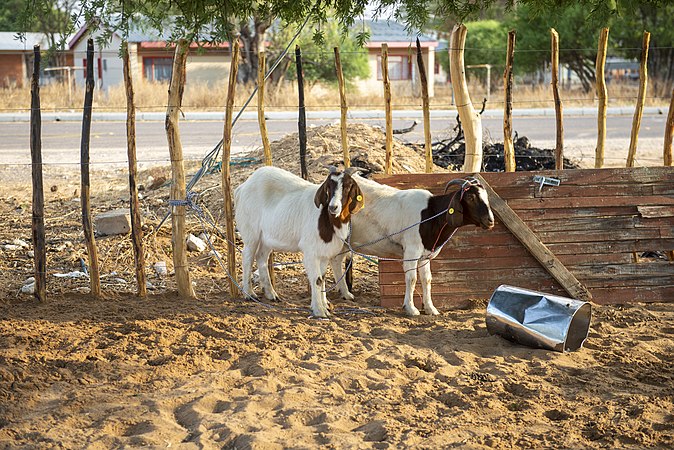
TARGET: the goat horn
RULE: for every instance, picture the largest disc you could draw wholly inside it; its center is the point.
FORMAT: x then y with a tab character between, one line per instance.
353	170
457	182
331	168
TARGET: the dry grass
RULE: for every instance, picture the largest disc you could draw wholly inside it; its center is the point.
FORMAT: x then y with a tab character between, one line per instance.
204	97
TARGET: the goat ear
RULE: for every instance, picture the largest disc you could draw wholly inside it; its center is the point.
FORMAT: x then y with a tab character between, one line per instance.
455	213
321	197
356	196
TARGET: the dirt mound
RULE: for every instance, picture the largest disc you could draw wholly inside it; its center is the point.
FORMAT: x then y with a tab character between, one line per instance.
367	147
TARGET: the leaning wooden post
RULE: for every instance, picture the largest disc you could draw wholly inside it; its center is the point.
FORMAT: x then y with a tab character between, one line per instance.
178	189
669	134
559	144
427	109
226	180
638	111
136	228
302	117
508	150
37	227
87	224
343	108
261	69
602	96
388	166
472	124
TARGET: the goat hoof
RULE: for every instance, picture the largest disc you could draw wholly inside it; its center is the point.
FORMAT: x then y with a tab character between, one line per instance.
348	296
411	311
432	311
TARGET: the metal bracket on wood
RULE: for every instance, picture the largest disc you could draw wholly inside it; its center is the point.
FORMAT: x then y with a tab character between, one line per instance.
545	181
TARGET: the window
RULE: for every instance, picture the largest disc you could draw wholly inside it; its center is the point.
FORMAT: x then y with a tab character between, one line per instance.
157	69
399	67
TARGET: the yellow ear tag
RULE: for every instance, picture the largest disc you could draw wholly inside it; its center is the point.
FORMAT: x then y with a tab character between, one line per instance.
359	198
451	210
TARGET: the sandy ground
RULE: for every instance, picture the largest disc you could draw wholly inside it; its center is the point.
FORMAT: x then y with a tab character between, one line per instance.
221	372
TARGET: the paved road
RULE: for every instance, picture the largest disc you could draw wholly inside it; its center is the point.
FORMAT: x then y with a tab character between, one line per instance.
61	140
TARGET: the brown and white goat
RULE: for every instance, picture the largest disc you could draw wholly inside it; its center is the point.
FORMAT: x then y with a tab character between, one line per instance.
276	210
377	230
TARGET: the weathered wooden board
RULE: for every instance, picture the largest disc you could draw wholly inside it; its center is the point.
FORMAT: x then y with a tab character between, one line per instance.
594	222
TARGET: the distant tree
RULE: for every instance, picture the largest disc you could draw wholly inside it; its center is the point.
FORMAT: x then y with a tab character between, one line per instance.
10	11
579	35
578	41
318	59
57	19
628	32
485	44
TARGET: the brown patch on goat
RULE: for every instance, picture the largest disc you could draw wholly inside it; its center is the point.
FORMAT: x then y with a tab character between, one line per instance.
352	202
466	209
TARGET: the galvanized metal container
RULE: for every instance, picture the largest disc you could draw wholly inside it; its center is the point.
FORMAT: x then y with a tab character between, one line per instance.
537	319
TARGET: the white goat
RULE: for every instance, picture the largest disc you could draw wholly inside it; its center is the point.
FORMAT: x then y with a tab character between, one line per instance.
376	231
278	211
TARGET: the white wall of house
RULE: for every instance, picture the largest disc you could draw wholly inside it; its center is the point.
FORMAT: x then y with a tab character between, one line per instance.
110	73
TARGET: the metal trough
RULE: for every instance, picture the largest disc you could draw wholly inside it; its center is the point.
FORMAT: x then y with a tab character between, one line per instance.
537	319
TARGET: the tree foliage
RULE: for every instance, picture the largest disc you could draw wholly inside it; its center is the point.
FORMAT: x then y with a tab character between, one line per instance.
215	20
579	34
578	41
578	22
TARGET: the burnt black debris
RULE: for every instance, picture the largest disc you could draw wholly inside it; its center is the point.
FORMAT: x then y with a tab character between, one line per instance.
450	153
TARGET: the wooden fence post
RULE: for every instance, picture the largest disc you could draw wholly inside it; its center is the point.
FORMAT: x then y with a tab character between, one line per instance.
37	226
178	189
559	143
261	69
602	96
343	108
427	109
667	148
261	73
302	117
87	224
639	109
508	150
388	166
669	134
136	228
472	124
226	180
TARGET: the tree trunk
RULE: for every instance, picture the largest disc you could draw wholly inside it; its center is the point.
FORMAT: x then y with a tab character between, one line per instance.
472	124
252	41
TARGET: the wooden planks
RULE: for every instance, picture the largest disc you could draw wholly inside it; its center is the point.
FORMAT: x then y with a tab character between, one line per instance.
593	223
534	245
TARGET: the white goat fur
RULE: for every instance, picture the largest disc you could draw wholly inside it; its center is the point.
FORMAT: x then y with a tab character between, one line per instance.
275	211
388	210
